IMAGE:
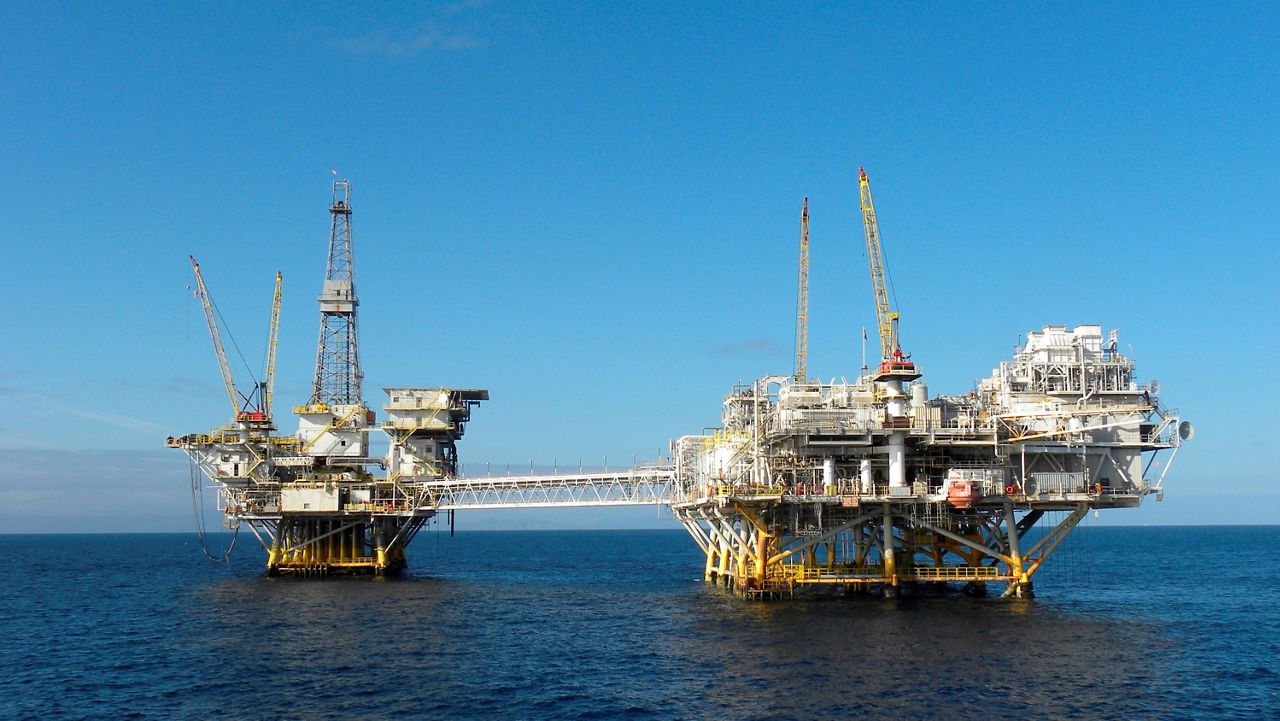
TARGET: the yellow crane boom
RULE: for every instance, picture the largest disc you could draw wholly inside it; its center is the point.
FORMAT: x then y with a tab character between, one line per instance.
211	318
892	360
802	299
273	334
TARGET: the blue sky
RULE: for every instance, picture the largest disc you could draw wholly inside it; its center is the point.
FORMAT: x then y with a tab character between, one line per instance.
592	212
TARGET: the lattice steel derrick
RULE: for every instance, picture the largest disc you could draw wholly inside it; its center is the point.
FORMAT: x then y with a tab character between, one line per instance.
338	374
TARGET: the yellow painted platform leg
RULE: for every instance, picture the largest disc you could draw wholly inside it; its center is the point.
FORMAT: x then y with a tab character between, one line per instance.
762	554
890	571
740	575
1015	554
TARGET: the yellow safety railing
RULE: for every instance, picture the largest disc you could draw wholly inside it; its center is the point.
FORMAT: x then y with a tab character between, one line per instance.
432	423
949	573
799	574
381	507
789	572
748	490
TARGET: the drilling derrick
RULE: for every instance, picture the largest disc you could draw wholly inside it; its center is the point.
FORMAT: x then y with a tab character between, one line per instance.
338	374
334	423
316	501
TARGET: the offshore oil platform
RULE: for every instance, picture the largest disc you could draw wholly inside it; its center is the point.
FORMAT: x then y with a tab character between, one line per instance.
874	484
863	485
316	500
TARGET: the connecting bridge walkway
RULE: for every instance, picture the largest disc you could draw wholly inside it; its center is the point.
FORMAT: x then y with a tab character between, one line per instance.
642	486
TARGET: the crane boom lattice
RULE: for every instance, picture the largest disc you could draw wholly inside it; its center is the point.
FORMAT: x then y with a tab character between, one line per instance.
211	318
893	362
884	313
273	336
802	299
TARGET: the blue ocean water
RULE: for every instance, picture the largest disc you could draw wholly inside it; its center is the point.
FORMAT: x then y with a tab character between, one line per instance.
1149	623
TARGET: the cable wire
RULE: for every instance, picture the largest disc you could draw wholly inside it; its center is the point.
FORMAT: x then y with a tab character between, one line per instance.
232	336
197	509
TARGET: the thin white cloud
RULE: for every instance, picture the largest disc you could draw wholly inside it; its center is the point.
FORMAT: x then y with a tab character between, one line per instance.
15	439
432	35
175	384
112	419
119	421
750	345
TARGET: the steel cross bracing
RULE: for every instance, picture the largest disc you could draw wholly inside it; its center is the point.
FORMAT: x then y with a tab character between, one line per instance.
643	486
338	375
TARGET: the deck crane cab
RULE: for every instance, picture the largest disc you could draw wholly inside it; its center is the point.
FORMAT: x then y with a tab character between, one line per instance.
894	364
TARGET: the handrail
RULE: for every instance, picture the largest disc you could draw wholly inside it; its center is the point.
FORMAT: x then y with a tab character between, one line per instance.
332	426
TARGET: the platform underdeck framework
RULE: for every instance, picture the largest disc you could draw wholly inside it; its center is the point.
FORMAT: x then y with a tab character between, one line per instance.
864	485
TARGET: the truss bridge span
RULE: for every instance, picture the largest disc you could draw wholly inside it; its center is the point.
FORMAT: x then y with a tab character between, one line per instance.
640	486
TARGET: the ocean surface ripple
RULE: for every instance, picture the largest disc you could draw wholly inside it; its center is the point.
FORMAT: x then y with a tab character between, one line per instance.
1150	623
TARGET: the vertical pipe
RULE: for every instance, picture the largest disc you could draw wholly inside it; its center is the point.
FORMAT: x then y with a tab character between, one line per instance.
890	571
379	540
708	571
722	570
897	460
1015	552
